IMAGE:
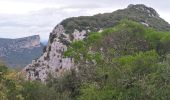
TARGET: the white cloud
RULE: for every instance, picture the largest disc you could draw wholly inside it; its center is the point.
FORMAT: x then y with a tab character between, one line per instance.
39	22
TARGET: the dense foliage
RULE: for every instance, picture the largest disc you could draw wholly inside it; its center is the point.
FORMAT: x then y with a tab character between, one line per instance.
13	87
126	62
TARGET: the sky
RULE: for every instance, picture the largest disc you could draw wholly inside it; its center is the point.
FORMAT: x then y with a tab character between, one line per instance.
21	18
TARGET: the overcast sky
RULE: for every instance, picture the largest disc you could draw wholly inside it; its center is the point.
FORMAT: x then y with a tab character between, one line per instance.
20	18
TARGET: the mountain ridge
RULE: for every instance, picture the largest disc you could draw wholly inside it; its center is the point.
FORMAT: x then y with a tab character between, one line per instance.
139	13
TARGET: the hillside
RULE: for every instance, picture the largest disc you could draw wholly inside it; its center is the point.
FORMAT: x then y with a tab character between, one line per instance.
126	60
75	29
20	52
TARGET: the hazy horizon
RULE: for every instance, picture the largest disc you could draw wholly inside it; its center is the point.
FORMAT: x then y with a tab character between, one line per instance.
22	18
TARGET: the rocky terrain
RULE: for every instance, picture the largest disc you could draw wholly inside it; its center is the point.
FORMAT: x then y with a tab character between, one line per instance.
20	52
74	29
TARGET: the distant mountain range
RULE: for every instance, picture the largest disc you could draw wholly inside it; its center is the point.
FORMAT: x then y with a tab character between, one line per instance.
20	52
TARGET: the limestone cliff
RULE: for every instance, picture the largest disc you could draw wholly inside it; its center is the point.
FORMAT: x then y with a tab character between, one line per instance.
19	52
52	61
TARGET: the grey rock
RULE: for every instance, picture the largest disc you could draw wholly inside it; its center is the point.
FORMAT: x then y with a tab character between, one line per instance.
52	61
20	52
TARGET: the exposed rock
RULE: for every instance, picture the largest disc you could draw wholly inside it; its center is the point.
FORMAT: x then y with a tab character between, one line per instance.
20	52
150	11
21	43
52	61
79	35
145	24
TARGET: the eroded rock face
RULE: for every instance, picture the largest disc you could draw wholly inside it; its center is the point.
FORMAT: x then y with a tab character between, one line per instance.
20	52
52	61
8	45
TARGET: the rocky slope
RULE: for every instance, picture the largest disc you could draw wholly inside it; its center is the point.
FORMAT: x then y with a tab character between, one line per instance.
73	29
20	52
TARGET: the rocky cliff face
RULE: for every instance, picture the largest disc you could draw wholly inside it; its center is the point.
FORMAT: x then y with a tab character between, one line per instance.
52	61
18	44
73	29
19	52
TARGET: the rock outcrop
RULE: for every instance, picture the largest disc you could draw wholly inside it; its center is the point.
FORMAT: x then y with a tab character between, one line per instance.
73	29
52	61
20	52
